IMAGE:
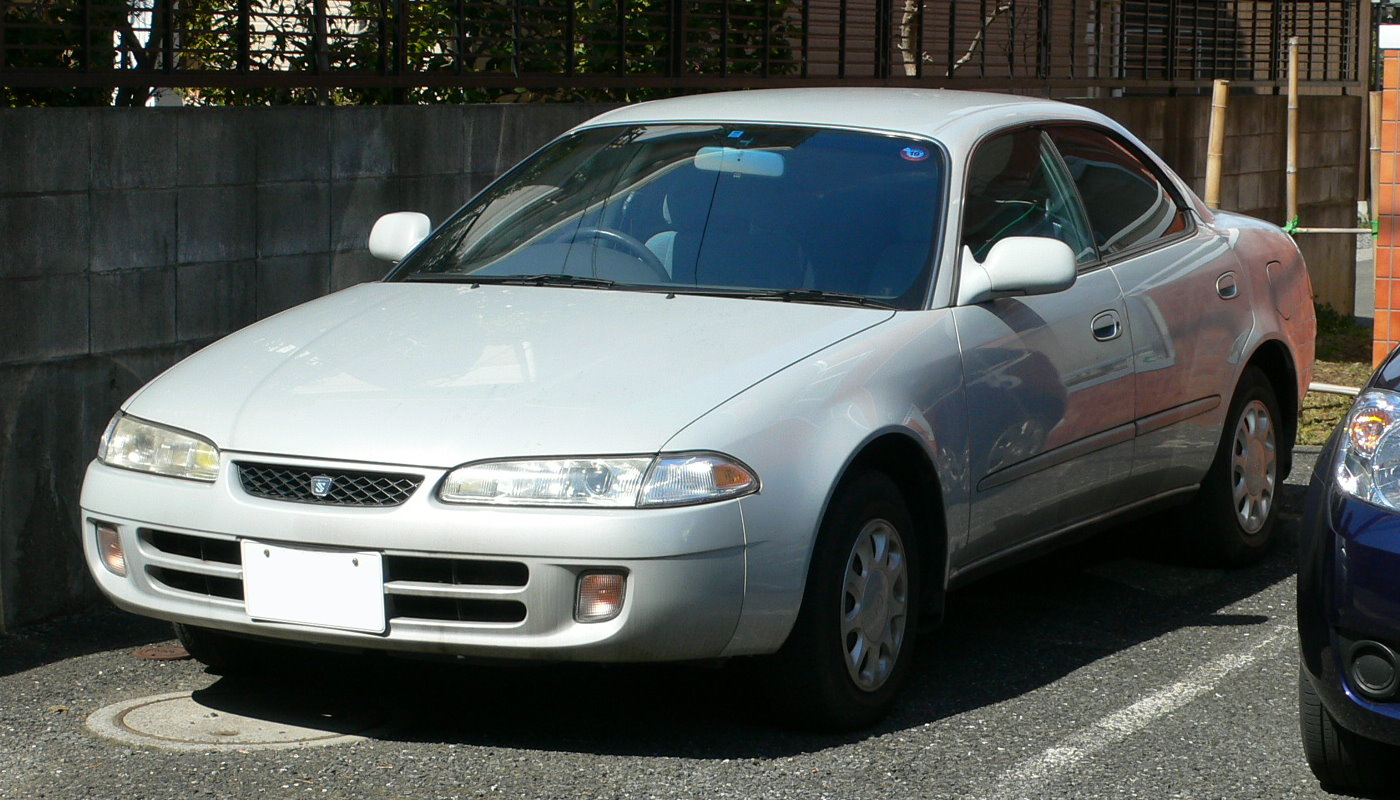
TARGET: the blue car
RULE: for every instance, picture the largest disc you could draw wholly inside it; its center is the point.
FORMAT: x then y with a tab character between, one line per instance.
1349	597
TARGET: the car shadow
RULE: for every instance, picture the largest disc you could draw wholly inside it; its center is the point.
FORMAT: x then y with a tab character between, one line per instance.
1005	635
75	636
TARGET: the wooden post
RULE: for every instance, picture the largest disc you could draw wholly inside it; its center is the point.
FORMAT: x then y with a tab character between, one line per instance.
1215	148
1292	178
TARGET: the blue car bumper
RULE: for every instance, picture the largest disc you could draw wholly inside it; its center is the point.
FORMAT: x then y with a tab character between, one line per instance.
1349	606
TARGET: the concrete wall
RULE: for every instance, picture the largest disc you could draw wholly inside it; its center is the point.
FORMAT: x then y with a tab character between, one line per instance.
131	237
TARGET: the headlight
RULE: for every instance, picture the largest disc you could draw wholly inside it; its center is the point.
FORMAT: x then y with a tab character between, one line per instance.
132	443
548	482
1368	456
686	478
665	480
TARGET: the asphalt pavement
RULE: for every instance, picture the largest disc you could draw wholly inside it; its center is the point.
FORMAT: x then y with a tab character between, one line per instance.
1106	670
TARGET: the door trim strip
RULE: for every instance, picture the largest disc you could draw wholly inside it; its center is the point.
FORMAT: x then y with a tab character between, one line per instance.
1053	458
1175	414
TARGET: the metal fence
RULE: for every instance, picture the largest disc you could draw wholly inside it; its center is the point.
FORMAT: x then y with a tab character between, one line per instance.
557	45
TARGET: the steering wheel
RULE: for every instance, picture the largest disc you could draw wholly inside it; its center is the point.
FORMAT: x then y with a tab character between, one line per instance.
629	245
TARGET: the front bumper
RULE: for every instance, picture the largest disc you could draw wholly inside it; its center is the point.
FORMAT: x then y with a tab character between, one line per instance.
1347	593
459	580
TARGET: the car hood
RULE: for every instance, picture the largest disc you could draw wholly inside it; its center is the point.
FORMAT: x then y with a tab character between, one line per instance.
436	375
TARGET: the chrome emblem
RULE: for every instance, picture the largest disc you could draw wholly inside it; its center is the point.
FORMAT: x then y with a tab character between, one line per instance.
321	485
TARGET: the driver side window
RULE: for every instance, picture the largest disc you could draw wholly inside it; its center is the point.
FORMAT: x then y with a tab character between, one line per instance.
1016	186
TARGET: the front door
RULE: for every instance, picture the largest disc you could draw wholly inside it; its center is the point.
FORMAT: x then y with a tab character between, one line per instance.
1049	378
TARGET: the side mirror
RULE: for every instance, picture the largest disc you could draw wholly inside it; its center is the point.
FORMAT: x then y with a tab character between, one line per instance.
395	235
1017	266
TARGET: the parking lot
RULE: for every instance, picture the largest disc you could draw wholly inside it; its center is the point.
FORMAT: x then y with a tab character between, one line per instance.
1103	670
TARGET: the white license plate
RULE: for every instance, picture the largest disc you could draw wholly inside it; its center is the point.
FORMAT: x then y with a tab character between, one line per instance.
328	588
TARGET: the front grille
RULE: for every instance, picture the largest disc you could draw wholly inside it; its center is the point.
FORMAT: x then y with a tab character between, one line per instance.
221	551
434	589
202	565
212	585
455	571
455	589
338	487
449	610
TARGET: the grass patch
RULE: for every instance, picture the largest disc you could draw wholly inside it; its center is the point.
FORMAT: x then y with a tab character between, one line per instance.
1343	358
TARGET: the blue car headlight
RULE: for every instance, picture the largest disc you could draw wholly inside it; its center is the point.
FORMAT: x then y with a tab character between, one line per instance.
1368	455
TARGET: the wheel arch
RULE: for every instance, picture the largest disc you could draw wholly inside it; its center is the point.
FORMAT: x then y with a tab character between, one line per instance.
905	461
1273	359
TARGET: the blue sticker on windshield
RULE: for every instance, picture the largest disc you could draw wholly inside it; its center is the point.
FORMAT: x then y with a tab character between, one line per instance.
736	134
914	153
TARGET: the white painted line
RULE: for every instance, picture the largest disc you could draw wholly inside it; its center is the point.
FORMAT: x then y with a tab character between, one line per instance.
1028	777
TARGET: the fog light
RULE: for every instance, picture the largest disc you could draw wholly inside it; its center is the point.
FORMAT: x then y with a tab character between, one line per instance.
109	547
1374	670
599	596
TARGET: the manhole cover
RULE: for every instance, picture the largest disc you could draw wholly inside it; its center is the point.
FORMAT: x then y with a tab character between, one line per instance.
228	721
161	652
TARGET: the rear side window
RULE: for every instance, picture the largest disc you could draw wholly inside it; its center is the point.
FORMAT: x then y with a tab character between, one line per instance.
1128	206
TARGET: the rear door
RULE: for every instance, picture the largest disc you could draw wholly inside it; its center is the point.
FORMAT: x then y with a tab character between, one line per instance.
1184	298
1049	378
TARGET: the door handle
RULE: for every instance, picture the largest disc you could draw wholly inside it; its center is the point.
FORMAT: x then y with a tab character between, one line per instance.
1226	287
1107	326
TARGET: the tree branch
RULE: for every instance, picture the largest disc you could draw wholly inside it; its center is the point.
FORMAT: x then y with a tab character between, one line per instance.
977	40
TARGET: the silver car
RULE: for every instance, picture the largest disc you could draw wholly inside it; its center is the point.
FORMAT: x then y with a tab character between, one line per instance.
750	374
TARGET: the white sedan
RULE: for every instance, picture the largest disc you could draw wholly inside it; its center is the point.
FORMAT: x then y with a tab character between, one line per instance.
751	374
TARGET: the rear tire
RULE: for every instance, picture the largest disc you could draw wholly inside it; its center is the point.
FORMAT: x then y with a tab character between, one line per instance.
1342	760
1235	511
850	650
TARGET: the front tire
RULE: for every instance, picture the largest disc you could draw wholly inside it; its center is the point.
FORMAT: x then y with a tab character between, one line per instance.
850	650
1237	506
1342	760
224	653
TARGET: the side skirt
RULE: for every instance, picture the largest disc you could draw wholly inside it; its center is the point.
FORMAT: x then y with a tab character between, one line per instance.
1068	534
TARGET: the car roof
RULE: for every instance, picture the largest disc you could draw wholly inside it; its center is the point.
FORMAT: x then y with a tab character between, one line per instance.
951	116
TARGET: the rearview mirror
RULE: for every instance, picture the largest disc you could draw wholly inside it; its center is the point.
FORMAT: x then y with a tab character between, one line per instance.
395	235
764	163
1017	266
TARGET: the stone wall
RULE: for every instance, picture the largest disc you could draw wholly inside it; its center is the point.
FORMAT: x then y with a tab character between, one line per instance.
132	237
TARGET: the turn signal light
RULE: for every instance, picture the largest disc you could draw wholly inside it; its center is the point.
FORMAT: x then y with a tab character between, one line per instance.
731	476
599	596
109	547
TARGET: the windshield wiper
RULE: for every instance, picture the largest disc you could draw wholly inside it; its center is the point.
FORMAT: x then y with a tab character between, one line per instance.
795	296
546	279
543	279
835	298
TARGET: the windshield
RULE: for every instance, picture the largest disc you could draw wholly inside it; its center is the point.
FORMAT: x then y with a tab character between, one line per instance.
758	210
